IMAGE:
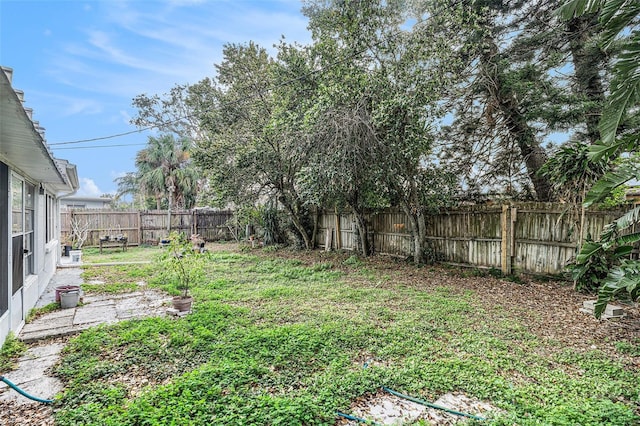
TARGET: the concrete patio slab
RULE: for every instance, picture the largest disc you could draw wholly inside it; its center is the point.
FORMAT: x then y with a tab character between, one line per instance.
31	375
33	368
95	312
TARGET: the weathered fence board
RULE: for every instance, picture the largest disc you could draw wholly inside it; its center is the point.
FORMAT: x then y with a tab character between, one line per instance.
146	227
537	238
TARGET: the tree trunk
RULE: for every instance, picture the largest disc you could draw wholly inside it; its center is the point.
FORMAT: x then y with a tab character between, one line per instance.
588	61
503	96
415	233
296	223
422	236
362	231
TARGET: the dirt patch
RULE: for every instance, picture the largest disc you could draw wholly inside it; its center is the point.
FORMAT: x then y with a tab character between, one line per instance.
549	309
387	409
15	414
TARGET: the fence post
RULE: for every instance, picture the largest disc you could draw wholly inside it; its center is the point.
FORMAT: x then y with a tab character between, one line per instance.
338	232
194	222
140	242
506	245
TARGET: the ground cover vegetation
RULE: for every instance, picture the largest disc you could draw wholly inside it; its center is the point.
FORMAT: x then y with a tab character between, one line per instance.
11	350
281	337
418	104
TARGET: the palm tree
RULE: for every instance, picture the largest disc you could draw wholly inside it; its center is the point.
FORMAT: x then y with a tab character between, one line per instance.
617	18
165	172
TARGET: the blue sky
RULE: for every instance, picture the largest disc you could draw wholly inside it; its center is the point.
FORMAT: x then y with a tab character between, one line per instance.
80	63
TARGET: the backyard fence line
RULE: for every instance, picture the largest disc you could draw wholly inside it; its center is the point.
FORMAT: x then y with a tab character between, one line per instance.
533	238
147	227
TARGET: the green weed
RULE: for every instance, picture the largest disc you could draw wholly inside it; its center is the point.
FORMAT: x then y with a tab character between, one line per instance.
36	312
276	341
11	350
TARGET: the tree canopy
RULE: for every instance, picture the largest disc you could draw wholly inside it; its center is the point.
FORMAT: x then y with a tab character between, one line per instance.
411	103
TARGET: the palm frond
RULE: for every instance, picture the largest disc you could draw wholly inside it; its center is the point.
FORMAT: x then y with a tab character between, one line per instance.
617	15
625	89
628	219
624	278
589	249
611	180
574	8
620	240
599	151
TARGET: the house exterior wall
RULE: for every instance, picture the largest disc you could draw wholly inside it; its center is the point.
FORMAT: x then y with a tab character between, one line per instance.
45	252
68	203
4	253
31	182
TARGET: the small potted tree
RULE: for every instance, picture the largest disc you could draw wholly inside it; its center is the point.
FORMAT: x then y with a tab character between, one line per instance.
182	269
79	234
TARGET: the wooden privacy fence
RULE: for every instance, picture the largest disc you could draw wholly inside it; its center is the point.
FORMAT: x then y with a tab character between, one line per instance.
535	238
147	227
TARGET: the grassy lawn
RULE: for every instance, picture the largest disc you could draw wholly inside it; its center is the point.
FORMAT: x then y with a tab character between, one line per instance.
282	340
110	255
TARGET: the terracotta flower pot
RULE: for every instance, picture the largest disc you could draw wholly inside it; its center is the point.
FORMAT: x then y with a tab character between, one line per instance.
182	304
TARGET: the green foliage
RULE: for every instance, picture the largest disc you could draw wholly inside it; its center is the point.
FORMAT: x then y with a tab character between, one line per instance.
11	350
593	265
629	348
282	341
182	264
616	199
611	181
36	312
572	172
165	174
622	279
352	260
617	18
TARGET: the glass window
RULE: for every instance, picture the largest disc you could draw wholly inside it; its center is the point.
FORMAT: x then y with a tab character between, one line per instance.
23	224
29	235
49	218
16	206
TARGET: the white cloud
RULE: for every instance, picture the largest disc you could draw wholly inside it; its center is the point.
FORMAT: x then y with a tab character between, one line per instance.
140	49
88	188
126	117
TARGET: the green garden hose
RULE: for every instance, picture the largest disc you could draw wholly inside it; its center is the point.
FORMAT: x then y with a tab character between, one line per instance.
23	393
430	405
425	403
357	419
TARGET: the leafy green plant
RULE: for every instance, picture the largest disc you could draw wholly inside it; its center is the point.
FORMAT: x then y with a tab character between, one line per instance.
11	350
590	272
36	312
282	340
615	17
352	260
182	264
632	349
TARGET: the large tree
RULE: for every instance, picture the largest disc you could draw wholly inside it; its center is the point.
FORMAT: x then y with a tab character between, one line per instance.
528	75
165	172
381	82
254	149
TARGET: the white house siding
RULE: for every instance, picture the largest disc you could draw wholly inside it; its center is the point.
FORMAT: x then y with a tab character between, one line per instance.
31	183
45	257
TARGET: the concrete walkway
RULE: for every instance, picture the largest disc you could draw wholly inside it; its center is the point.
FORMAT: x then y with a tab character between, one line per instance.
44	333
